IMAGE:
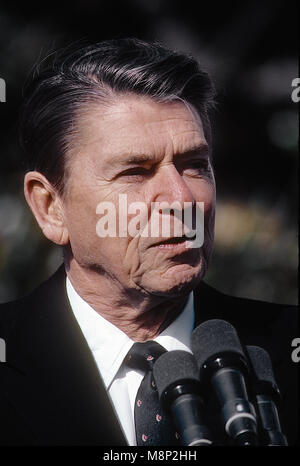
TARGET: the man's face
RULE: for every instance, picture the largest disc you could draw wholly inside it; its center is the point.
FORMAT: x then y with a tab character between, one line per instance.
150	152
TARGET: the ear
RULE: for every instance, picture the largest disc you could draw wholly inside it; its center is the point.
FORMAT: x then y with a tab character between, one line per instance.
46	205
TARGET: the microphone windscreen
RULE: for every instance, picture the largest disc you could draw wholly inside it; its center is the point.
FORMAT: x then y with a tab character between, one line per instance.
172	367
214	337
261	364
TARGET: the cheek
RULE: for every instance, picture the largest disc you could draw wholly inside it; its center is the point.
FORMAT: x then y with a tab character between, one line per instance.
209	211
81	220
205	192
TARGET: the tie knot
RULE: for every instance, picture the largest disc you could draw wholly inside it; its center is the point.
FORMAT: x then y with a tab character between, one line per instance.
143	355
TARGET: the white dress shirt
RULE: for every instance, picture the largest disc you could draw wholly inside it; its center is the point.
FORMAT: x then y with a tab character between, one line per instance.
109	346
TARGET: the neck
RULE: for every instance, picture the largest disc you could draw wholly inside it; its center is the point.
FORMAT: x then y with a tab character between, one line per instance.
141	315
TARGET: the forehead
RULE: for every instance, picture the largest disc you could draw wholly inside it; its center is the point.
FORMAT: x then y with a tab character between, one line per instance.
133	125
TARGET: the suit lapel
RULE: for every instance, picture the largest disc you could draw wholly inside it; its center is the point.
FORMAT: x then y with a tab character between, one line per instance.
51	376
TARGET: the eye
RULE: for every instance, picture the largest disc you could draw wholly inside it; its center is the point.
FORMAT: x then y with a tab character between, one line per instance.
136	173
196	167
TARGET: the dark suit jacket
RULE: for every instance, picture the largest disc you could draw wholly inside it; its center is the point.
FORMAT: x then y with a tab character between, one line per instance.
50	389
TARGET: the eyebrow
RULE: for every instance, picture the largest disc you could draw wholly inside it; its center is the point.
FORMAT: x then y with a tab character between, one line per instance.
139	159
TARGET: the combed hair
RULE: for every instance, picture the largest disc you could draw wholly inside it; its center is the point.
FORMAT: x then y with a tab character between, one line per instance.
70	79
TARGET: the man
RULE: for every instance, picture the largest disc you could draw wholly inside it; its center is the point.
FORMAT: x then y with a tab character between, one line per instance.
121	124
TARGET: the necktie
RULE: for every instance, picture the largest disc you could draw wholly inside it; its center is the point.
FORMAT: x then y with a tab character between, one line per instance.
153	427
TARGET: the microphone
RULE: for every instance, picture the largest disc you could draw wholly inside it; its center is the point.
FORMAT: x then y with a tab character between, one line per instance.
223	368
267	395
176	377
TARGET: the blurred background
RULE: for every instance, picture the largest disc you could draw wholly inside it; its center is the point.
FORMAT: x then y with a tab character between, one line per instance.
250	49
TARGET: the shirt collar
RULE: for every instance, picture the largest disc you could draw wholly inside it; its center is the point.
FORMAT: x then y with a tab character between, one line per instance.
109	345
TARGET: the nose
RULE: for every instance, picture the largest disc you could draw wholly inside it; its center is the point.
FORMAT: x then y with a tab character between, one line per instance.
170	186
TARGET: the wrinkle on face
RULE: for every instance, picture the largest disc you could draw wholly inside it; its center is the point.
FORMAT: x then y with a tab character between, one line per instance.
136	126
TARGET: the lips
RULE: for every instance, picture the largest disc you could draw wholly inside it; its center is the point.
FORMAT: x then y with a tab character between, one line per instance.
175	240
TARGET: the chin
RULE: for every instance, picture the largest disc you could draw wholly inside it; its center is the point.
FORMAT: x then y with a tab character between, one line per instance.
177	284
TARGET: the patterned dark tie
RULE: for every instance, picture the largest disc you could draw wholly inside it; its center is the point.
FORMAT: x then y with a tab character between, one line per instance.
152	426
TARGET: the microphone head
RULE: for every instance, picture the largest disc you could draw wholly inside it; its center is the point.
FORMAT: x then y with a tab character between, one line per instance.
174	367
262	369
214	338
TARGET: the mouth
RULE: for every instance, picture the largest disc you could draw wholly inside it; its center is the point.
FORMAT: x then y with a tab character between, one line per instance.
175	242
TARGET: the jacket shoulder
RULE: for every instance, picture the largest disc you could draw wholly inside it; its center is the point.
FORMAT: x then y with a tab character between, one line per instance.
8	316
10	312
216	304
